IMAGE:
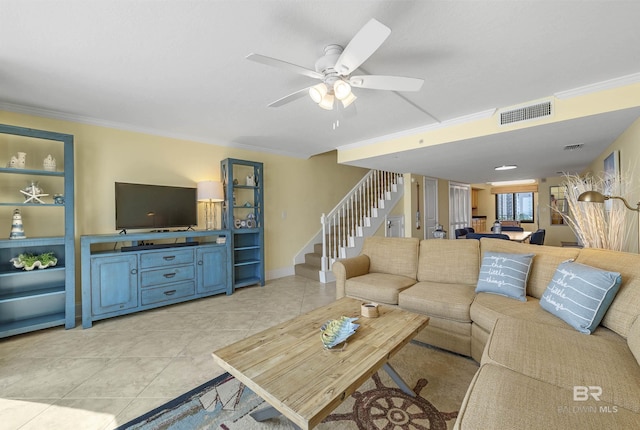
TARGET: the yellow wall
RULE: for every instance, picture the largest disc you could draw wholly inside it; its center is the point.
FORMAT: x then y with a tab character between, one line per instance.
296	191
628	143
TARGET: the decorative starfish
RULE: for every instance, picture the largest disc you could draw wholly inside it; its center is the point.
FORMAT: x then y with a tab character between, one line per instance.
33	195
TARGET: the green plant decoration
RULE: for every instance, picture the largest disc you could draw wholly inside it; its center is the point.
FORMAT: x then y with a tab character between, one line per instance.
29	261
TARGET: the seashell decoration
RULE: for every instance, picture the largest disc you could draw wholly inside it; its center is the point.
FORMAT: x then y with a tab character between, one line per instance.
334	332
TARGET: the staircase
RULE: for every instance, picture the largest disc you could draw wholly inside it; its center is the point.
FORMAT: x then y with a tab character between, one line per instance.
358	215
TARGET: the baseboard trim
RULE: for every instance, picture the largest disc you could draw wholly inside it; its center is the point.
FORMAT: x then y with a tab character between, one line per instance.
280	273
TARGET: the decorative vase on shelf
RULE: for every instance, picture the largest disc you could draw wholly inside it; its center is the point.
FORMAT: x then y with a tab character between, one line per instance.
18	161
17	230
49	163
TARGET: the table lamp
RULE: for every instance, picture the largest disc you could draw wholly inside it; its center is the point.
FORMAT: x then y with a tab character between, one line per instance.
210	192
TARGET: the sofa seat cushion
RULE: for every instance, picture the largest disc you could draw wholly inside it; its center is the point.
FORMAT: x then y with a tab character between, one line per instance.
566	358
544	263
378	287
487	308
499	398
446	301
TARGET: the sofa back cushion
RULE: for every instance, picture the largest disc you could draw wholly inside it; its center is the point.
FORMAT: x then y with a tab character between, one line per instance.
545	260
633	340
392	255
625	307
449	261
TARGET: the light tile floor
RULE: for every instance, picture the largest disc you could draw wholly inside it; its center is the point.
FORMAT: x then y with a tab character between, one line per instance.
122	367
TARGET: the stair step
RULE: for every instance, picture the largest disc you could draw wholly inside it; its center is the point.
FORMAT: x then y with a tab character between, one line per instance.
317	248
307	271
313	259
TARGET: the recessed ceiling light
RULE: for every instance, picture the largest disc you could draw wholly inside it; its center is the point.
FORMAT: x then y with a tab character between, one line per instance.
516	182
506	167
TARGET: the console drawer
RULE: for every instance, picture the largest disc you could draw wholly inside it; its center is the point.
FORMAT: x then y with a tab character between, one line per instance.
150	278
168	292
165	257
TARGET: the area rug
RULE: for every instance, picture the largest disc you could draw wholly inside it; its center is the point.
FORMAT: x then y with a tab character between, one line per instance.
439	378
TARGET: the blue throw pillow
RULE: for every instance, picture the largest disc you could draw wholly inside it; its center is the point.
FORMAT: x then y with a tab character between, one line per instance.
505	274
580	295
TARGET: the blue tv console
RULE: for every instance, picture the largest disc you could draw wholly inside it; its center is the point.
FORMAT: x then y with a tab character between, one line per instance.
156	270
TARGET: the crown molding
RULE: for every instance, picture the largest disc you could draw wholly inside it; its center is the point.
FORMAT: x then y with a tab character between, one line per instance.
599	86
82	119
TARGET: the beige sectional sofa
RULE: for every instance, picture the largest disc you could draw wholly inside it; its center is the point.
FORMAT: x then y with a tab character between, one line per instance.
536	371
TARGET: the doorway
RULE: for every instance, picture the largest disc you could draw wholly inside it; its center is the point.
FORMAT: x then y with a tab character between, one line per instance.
394	226
430	209
459	206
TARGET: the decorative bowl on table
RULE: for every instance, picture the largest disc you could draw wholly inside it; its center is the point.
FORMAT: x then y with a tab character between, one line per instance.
336	331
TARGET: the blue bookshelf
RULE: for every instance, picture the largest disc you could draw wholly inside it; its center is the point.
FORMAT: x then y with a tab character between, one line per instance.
243	215
40	298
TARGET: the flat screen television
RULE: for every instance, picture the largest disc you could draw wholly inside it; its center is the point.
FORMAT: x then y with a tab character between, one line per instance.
140	206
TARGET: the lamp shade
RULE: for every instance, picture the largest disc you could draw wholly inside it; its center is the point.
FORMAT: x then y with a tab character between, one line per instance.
317	92
592	196
326	102
341	89
210	191
348	100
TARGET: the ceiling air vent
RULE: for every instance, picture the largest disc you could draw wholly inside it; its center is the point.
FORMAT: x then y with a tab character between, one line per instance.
526	113
573	147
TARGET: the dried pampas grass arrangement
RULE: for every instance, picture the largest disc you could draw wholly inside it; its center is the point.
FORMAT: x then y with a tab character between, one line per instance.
598	225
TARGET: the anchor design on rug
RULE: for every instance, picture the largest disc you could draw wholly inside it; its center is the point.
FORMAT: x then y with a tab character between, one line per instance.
389	407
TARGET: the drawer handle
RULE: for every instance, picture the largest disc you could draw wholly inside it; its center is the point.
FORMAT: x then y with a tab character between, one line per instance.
169	293
200	263
134	271
170	275
169	257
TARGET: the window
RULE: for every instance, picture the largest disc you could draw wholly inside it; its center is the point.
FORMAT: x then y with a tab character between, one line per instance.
515	206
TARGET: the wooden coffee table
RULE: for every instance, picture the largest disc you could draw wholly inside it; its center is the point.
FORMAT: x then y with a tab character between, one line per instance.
290	369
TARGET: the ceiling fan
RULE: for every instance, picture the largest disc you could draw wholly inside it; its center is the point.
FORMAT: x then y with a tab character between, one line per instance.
335	67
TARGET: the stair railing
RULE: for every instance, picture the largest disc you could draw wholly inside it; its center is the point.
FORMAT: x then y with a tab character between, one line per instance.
346	220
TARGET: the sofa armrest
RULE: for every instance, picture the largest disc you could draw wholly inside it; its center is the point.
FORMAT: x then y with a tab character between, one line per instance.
349	268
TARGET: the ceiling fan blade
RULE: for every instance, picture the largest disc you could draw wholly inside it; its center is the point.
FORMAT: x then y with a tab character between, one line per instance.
284	65
289	98
362	46
392	83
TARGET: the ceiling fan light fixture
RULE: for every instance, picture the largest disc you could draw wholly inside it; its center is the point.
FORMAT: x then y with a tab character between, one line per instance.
317	92
326	102
341	89
348	100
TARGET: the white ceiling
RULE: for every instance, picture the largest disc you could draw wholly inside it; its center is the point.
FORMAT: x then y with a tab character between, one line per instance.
178	68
